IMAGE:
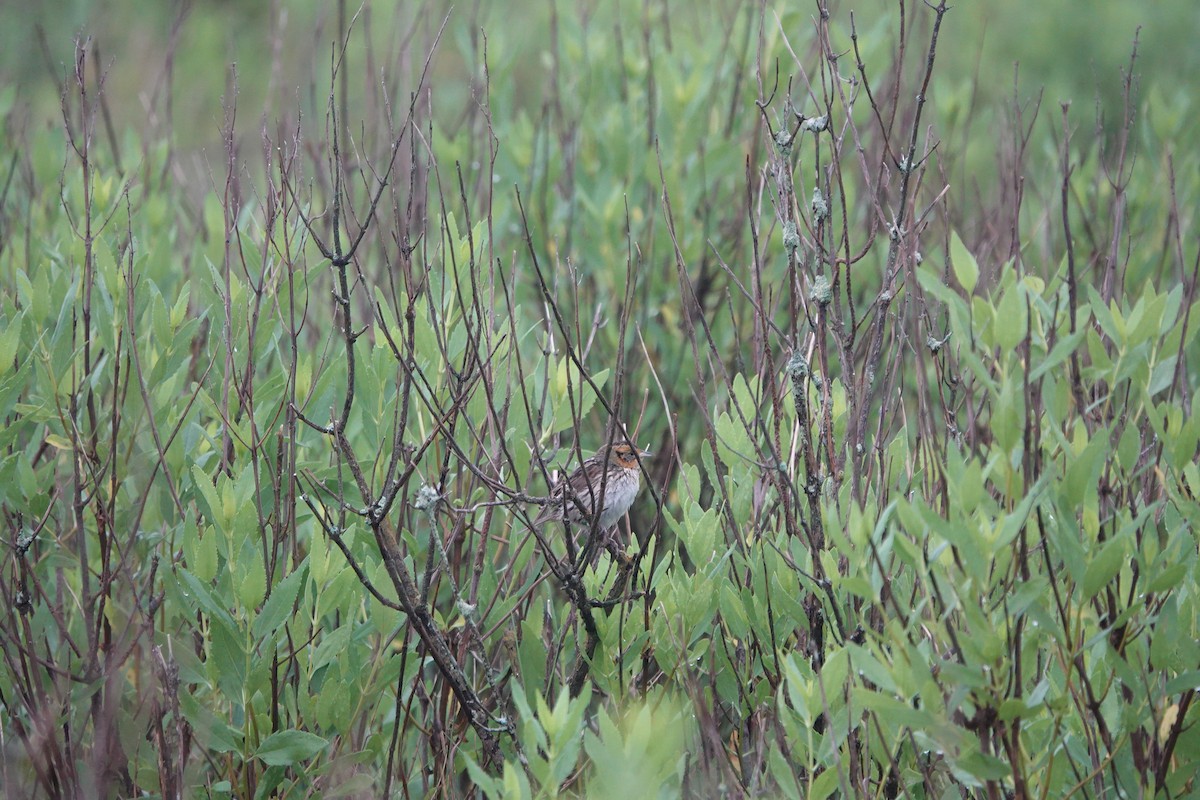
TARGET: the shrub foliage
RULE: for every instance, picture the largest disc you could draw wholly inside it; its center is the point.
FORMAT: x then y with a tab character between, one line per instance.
921	519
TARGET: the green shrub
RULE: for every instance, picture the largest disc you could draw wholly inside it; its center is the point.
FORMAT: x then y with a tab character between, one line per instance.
921	516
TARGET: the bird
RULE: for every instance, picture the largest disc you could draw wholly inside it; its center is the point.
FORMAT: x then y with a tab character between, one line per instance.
573	499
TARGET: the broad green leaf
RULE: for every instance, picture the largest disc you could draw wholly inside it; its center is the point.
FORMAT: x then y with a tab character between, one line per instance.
734	613
251	579
212	506
784	773
983	766
1103	568
966	269
1168	579
211	731
1084	469
202	595
278	607
200	550
1061	352
824	785
227	659
289	747
1012	318
9	340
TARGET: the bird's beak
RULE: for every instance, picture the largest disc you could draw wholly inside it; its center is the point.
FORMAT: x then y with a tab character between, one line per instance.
644	454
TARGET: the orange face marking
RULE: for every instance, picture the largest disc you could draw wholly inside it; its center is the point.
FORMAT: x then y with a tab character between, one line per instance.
625	455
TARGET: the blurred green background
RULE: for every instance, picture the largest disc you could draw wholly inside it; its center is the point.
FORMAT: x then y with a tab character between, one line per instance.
1073	48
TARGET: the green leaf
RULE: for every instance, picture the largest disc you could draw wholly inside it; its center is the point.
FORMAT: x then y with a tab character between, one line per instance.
482	779
733	443
199	593
278	607
227	659
824	784
9	339
1162	376
893	711
1011	318
966	269
1167	579
1183	446
251	582
289	747
1061	352
1083	471
1103	568
211	731
700	535
200	550
983	766
270	780
212	507
1107	315
783	773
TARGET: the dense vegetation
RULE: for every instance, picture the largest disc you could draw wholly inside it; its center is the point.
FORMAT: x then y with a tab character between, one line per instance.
914	349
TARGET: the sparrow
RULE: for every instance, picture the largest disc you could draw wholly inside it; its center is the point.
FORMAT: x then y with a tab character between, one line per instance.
573	499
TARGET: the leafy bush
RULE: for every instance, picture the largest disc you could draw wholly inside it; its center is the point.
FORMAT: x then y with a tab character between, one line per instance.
921	519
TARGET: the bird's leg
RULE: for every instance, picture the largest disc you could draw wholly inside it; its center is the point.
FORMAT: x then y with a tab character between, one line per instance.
618	553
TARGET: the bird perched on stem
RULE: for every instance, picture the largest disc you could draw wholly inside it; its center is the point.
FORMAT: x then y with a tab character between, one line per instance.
611	478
